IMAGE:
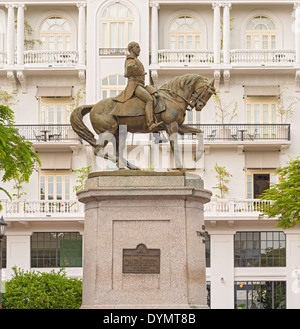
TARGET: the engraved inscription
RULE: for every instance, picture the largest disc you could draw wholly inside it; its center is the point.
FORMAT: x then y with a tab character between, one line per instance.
141	260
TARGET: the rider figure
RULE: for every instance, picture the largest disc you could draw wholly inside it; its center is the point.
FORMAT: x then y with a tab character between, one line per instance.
134	71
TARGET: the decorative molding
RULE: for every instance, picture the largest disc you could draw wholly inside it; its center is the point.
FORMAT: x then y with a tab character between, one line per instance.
226	4
81	76
216	4
154	76
22	79
217	77
296	5
226	76
12	79
81	4
206	149
154	4
240	149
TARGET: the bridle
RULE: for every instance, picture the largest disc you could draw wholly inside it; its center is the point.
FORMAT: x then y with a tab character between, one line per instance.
196	97
200	97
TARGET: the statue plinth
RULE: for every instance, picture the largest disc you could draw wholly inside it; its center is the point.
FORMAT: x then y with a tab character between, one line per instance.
144	240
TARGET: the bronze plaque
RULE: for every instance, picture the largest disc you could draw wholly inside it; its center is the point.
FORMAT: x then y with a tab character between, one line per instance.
141	260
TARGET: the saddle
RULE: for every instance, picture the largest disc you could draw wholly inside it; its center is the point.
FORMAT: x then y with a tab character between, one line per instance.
135	107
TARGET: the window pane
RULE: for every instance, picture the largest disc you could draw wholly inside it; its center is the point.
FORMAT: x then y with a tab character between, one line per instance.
113	80
180	42
113	35
130	37
121	35
104	35
121	80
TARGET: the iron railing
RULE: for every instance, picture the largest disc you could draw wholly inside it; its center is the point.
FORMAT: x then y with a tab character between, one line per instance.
48	133
242	132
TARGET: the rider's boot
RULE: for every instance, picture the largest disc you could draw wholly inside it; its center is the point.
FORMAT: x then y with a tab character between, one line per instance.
150	117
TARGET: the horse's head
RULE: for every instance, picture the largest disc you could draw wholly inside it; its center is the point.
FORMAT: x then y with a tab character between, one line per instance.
201	95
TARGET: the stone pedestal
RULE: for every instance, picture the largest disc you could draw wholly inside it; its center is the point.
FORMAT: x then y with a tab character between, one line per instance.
144	240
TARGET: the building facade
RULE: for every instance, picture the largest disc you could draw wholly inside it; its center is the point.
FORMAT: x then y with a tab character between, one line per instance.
57	55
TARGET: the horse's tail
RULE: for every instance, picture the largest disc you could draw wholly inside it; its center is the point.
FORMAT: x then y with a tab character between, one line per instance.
79	127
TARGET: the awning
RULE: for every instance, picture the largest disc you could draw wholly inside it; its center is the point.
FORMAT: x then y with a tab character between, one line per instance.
56	160
54	92
261	160
257	91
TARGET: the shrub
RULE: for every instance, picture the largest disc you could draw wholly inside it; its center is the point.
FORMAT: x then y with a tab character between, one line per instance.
38	290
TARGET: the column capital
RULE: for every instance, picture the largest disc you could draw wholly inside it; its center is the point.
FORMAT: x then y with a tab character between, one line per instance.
81	4
20	5
296	4
154	4
216	5
227	4
10	5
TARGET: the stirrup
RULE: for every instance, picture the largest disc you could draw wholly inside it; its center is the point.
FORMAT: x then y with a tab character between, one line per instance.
154	125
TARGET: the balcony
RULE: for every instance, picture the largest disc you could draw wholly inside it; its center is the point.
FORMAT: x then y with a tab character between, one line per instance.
47	57
48	133
185	57
34	209
242	132
235	208
259	57
51	136
270	57
42	209
113	51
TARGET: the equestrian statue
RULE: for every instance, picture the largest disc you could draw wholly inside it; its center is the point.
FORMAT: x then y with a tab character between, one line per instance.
143	109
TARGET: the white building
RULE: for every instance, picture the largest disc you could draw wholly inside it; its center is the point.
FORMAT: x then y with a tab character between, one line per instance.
250	48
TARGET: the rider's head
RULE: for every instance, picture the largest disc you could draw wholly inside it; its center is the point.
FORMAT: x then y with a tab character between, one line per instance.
132	47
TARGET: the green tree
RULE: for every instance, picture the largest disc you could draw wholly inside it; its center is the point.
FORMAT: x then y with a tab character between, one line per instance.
17	160
223	179
81	180
38	290
285	196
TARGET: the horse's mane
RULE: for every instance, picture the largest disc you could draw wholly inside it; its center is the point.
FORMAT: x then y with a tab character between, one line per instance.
183	80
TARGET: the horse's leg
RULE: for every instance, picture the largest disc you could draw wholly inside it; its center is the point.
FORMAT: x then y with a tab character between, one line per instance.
121	138
103	140
172	131
184	129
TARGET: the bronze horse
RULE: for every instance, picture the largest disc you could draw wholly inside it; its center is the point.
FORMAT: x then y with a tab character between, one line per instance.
174	99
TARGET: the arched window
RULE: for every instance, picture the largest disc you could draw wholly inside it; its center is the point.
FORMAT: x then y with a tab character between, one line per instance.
111	86
185	33
55	34
117	25
261	33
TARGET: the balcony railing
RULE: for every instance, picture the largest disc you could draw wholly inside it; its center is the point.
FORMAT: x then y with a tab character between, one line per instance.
28	208
69	208
242	132
246	207
113	51
50	57
48	133
266	56
167	56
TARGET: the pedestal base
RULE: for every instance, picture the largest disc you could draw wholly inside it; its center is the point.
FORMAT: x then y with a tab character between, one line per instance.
144	240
